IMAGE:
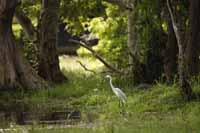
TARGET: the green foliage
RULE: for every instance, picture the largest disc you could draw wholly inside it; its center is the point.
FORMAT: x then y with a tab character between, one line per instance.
75	12
31	8
73	9
112	32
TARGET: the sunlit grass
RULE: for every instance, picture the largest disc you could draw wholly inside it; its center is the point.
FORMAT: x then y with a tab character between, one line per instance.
70	63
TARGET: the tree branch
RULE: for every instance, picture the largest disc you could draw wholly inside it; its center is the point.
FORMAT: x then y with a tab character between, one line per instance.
86	69
26	24
95	54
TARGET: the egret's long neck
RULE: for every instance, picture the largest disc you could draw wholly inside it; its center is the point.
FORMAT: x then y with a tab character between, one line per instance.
111	83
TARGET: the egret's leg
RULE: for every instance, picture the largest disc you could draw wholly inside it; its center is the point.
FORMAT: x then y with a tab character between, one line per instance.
123	107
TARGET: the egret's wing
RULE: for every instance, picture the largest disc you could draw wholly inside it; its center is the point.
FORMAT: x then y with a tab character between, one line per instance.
121	94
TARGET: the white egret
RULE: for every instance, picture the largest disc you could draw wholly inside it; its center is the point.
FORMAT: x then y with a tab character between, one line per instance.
119	93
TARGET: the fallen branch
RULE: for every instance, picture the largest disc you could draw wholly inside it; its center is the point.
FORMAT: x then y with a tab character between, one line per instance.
95	54
85	68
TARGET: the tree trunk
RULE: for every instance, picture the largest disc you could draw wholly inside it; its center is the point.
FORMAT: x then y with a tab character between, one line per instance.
185	87
48	57
136	70
193	46
171	51
15	72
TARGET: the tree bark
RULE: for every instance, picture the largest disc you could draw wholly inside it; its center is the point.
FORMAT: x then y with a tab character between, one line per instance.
48	57
171	51
185	87
15	72
193	46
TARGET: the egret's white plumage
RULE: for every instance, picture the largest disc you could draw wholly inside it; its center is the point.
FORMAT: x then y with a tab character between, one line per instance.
119	93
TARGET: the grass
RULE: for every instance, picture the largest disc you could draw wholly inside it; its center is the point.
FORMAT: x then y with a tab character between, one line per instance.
157	110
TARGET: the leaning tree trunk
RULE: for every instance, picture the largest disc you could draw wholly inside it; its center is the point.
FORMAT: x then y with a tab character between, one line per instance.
193	46
48	57
171	51
15	72
185	87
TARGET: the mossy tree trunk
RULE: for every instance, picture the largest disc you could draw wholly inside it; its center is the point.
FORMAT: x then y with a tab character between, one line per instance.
48	57
15	72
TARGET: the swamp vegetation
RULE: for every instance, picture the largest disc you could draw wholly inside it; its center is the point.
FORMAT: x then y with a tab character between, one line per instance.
158	109
54	55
